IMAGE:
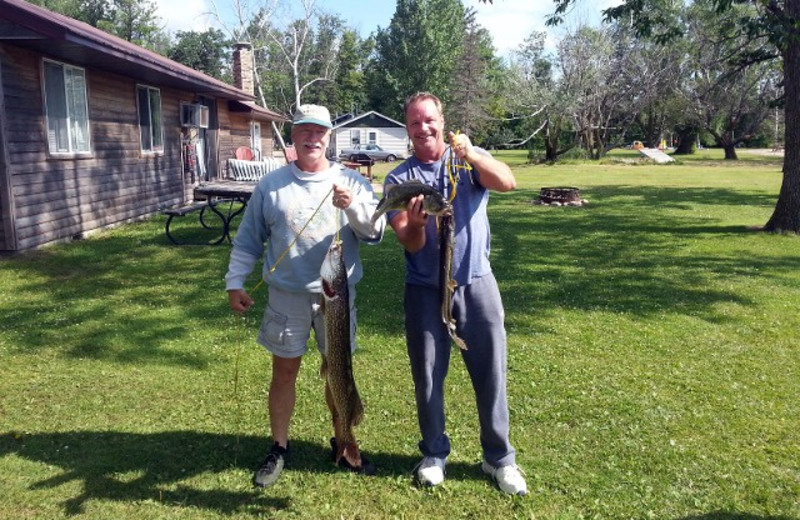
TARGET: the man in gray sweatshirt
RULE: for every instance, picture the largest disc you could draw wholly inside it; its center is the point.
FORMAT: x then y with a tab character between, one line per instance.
288	225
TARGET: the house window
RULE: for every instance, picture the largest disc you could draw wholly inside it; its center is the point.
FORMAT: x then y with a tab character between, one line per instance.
150	126
67	111
355	137
373	137
255	138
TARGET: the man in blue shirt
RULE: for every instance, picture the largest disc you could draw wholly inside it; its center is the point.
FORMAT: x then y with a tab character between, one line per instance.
477	307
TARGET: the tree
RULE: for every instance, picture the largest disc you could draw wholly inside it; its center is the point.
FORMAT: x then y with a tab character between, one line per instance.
289	59
137	22
206	51
132	20
472	88
774	24
607	78
88	11
418	51
533	99
729	97
347	92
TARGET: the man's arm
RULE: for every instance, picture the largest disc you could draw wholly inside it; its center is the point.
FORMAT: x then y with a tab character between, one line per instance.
492	174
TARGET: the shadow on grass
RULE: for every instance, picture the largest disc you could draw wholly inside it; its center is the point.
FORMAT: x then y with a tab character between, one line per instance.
627	251
161	467
125	296
129	295
726	515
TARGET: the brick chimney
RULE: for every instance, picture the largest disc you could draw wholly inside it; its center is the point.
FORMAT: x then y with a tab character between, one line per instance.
243	67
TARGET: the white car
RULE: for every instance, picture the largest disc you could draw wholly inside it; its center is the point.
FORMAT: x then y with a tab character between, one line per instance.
373	151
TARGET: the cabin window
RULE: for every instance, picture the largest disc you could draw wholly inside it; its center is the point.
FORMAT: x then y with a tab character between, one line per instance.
255	138
373	137
150	126
67	111
355	137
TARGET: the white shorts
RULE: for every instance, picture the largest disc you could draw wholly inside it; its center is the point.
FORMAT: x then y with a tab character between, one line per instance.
289	318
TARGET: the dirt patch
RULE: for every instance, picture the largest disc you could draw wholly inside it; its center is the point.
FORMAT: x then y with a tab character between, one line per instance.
763	151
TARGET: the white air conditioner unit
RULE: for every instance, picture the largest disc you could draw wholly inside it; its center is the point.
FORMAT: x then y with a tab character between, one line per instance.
195	115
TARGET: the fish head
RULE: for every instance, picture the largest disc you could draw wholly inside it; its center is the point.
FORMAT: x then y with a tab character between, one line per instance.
333	271
435	204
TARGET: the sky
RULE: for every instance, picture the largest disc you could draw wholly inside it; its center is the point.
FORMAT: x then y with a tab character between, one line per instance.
508	21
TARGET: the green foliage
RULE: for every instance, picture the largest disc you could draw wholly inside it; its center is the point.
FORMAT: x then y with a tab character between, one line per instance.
417	52
135	21
88	11
347	93
207	51
653	367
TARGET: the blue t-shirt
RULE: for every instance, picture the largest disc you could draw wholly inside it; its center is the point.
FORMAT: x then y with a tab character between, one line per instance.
472	236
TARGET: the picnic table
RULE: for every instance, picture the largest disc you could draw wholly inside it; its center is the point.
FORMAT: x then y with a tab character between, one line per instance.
211	197
361	160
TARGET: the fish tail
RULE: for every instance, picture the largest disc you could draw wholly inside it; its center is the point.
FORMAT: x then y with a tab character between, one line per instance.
349	452
451	329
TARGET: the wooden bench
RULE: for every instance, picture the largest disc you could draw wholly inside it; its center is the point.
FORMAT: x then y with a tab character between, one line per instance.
184	210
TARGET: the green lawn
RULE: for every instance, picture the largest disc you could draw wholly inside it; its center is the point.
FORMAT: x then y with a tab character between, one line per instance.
653	367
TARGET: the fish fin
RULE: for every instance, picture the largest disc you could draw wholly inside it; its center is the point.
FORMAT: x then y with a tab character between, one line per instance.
380	209
452	284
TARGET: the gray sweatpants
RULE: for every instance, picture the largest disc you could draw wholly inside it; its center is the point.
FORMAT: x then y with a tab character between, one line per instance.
479	315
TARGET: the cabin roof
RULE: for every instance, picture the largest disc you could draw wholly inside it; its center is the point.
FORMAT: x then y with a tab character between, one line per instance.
60	37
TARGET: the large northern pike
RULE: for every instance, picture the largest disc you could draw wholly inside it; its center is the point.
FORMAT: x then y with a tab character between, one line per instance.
398	195
341	393
447	285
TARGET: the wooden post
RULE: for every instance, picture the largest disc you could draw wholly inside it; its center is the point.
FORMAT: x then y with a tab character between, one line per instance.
7	205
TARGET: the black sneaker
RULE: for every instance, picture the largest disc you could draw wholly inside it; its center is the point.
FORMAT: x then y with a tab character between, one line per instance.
367	467
271	468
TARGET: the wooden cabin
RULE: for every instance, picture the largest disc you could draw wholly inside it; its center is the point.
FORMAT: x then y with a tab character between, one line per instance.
96	131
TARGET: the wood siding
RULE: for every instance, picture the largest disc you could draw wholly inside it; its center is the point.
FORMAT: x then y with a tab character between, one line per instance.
57	198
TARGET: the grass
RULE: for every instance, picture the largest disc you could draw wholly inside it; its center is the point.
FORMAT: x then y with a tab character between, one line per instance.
653	367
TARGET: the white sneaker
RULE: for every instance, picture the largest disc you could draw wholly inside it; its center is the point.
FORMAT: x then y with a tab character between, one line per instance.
509	478
430	471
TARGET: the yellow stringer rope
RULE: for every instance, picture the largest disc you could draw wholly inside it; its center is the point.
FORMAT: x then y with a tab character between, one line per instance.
453	167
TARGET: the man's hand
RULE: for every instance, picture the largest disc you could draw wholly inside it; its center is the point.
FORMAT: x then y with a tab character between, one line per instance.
341	196
239	300
417	216
461	146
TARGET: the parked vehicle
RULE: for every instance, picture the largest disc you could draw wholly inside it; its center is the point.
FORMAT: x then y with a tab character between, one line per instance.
371	150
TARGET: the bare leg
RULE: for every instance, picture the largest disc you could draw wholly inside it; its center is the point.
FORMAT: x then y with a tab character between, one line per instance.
282	396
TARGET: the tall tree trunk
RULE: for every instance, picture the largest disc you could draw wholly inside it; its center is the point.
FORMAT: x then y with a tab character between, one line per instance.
687	137
730	151
786	216
551	147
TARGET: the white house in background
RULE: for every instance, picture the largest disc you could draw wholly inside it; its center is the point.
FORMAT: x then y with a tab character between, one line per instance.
370	128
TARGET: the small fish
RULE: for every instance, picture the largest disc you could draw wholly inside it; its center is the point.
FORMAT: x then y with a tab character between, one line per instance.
398	195
341	393
447	285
